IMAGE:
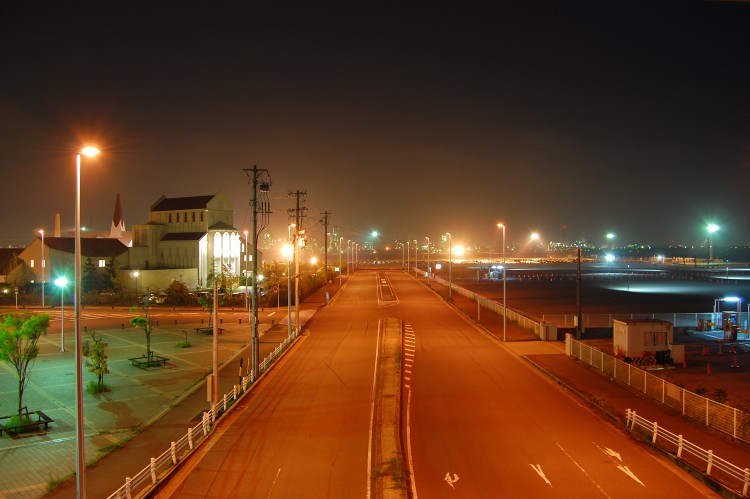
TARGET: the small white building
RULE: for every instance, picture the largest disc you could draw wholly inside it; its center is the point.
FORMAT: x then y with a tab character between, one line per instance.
636	337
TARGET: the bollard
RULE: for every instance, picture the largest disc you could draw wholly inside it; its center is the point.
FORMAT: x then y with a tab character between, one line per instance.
708	369
157	323
122	325
85	329
175	322
221	320
240	320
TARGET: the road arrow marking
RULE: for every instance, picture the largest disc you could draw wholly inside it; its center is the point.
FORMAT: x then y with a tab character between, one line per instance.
538	469
612	453
450	480
627	471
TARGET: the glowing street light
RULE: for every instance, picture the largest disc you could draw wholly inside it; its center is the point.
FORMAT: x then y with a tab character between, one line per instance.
505	304
341	243
61	282
80	451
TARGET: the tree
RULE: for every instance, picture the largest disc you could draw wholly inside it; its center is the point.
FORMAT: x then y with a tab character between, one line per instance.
89	277
19	335
98	359
144	321
178	294
111	278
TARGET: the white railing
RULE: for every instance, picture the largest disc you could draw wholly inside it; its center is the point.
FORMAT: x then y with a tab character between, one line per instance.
159	466
680	320
736	478
484	302
722	417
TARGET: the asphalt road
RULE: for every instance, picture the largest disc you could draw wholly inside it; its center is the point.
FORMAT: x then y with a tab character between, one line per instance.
305	431
482	423
477	420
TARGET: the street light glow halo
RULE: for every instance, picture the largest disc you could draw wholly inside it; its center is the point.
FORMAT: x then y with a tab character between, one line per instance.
90	151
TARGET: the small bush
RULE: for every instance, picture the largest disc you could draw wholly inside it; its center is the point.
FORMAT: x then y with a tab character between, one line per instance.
183	344
720	395
94	387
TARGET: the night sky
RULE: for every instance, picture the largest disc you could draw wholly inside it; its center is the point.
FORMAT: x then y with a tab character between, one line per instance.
629	117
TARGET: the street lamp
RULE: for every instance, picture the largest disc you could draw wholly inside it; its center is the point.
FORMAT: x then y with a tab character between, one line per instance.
80	451
135	276
348	258
341	241
450	267
41	231
408	255
505	303
416	257
428	259
61	282
711	228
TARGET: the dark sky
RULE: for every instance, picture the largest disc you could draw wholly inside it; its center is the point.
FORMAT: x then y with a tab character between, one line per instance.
626	117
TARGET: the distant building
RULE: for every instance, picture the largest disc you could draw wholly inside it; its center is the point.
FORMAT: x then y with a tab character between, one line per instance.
186	239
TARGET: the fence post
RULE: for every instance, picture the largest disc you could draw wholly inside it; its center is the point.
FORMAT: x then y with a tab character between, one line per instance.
747	482
127	486
173	448
190	438
153	470
683	401
656	430
679	446
627	418
225	402
706	411
710	462
205	424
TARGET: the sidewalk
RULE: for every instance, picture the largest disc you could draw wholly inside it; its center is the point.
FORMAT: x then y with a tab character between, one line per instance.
150	407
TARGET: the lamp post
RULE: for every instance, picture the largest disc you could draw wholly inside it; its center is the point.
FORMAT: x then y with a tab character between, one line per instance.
428	258
450	268
416	257
80	451
341	240
61	282
408	255
348	257
505	303
41	231
711	228
135	276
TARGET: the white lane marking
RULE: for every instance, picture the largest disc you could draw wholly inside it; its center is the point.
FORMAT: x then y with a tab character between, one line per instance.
270	314
612	453
372	413
627	471
451	480
583	471
538	469
408	444
274	483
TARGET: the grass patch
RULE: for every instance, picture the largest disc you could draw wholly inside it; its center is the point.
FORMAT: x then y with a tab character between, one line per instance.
94	388
183	344
57	482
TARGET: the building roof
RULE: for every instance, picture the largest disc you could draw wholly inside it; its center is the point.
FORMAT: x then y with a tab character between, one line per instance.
183	236
187	203
93	247
641	321
221	226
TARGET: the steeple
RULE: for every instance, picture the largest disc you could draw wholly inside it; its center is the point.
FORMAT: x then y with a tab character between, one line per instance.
118	222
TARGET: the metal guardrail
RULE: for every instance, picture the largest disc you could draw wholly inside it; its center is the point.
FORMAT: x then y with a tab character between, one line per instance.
484	302
736	478
724	418
178	451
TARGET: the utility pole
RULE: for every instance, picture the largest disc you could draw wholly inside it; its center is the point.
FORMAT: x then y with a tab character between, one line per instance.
261	182
325	239
578	295
299	214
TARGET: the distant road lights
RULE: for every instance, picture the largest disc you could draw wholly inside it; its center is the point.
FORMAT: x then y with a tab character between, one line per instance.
61	282
135	275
